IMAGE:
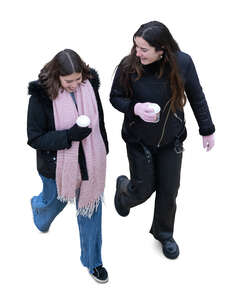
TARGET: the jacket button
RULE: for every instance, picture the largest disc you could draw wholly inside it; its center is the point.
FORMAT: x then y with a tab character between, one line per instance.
54	158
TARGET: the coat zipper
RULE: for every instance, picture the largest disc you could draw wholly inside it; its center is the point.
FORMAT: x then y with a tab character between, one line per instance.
163	129
176	116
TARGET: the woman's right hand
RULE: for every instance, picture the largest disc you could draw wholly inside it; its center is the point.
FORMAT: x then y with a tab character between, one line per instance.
77	133
208	142
145	112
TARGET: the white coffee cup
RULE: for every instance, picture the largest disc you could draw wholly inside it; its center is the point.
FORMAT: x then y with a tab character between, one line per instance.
156	109
83	121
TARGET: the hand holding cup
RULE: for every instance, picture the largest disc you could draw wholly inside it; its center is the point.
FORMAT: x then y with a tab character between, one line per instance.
156	111
80	129
148	112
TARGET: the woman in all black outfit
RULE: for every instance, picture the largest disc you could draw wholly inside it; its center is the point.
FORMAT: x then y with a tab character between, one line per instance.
156	71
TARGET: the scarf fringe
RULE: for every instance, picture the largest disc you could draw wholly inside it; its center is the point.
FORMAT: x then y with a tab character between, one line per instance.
66	199
87	211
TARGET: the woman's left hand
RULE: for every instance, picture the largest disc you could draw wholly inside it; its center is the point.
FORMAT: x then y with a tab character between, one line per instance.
208	142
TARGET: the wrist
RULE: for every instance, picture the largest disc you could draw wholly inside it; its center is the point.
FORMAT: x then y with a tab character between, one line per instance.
69	136
136	107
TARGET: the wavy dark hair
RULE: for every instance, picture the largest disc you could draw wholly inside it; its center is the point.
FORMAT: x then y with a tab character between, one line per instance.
158	36
66	62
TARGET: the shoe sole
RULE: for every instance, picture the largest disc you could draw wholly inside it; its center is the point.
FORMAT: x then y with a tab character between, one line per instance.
98	280
171	256
116	202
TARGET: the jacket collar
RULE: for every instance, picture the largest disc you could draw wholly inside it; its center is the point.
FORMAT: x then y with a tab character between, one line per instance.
36	89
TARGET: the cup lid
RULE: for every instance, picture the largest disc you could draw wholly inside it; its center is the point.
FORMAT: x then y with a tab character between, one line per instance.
83	121
156	107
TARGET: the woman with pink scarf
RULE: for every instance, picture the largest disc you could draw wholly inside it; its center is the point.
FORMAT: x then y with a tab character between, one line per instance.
71	158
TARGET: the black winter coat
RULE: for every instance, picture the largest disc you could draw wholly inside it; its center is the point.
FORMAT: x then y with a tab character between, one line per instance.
150	88
42	135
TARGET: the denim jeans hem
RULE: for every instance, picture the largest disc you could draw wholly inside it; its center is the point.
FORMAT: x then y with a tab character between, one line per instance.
91	268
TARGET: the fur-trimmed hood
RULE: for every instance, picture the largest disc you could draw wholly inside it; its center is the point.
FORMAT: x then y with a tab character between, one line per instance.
35	88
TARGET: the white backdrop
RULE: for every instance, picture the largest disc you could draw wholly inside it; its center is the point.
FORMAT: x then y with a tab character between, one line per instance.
37	266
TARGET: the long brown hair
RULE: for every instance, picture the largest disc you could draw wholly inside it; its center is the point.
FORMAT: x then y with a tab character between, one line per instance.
158	36
66	62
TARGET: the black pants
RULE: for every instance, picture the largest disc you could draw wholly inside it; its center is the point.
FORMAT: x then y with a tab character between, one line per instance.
153	169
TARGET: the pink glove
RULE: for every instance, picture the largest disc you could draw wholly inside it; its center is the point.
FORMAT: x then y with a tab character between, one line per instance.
145	112
208	142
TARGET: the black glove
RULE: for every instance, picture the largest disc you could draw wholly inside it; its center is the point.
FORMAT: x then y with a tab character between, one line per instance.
77	133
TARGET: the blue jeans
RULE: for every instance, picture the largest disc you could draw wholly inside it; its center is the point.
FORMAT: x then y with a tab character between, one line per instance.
46	207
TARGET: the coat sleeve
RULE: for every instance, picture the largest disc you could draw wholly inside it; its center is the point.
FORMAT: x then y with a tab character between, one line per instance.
197	100
95	82
39	135
118	98
102	123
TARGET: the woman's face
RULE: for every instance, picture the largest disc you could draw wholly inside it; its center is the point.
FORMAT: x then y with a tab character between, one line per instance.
70	82
145	52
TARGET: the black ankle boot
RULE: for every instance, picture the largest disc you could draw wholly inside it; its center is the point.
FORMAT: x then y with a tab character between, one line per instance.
120	195
170	248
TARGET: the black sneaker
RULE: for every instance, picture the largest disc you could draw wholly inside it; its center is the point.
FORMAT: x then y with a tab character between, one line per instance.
100	274
170	248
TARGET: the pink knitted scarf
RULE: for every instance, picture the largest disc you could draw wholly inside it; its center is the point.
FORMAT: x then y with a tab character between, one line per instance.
68	175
